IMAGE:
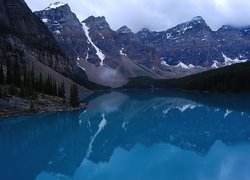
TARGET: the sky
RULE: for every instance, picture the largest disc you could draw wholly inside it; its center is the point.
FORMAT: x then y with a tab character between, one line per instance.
157	15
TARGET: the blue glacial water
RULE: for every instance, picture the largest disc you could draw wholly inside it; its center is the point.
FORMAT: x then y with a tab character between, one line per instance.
132	135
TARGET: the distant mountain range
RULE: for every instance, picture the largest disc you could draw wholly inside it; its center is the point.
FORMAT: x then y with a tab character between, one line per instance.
89	52
111	57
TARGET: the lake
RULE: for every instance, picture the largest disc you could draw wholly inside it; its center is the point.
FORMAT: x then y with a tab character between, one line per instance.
133	135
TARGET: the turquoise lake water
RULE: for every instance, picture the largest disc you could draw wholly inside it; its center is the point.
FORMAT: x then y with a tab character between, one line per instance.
132	135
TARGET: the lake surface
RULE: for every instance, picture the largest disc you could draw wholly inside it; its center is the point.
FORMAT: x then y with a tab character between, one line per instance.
133	135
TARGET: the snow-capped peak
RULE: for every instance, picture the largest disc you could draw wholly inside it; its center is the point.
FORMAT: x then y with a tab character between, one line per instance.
197	19
182	65
55	5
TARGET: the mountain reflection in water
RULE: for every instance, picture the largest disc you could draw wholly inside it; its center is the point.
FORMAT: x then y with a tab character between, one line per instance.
121	131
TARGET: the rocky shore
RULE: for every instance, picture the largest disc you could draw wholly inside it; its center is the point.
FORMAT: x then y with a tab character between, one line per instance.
12	105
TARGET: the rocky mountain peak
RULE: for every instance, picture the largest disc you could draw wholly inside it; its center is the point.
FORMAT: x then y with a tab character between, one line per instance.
198	19
66	29
56	5
58	16
144	34
197	23
97	22
124	30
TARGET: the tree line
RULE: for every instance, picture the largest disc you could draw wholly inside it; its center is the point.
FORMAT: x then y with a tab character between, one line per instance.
28	83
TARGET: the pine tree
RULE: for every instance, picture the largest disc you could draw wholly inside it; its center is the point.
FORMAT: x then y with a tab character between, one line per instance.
27	84
40	83
17	77
47	86
63	91
1	91
36	84
9	73
54	89
74	99
22	92
1	74
12	89
25	78
32	77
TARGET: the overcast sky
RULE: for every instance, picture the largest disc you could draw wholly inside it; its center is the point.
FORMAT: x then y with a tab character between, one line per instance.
157	14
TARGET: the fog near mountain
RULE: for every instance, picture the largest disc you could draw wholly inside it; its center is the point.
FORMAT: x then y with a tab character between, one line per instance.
158	14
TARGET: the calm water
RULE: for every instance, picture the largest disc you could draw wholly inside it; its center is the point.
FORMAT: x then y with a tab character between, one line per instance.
132	135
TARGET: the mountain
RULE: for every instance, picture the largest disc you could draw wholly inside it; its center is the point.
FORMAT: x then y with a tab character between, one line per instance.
193	43
65	28
25	38
22	33
111	58
94	47
69	35
234	42
107	57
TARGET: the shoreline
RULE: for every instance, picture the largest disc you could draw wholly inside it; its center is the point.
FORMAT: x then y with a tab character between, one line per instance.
6	114
15	106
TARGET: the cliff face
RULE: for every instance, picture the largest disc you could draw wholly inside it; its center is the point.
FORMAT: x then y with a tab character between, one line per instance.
131	46
110	57
106	56
25	37
67	30
192	42
104	38
195	43
234	41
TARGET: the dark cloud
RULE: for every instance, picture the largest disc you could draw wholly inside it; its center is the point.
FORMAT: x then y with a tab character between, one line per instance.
158	14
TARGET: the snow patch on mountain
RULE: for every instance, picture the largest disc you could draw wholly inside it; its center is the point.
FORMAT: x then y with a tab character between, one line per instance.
77	63
229	61
45	20
182	65
191	66
164	63
185	29
215	64
98	51
57	32
121	52
55	5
